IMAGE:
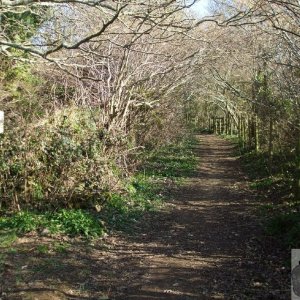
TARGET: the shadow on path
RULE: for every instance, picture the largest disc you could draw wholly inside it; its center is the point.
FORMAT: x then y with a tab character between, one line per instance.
204	244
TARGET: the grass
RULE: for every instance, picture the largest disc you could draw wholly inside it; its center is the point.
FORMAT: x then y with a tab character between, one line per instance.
42	249
61	247
7	238
172	161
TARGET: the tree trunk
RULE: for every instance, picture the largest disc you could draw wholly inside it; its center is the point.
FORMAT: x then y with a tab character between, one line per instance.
244	132
239	130
250	135
227	123
270	148
214	125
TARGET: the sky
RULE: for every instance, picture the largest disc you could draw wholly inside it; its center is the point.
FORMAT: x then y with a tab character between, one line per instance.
200	8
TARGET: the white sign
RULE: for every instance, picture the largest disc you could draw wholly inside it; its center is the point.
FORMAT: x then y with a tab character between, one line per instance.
1	121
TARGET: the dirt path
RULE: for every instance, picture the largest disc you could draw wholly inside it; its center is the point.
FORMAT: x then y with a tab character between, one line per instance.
206	244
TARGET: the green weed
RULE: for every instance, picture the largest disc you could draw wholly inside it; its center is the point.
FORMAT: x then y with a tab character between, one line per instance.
72	222
42	249
122	211
21	222
262	184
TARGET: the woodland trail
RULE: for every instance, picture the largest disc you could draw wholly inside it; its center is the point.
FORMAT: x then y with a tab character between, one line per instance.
205	244
209	244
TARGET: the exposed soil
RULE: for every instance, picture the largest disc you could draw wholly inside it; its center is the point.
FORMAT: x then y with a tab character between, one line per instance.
207	243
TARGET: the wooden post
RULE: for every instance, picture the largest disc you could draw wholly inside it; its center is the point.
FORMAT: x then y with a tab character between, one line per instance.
222	125
297	173
214	125
257	134
244	132
1	121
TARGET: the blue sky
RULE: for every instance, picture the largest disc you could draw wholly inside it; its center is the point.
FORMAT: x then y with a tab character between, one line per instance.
200	8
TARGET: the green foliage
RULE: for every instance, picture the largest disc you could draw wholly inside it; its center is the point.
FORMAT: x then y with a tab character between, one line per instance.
286	226
143	194
22	222
232	138
20	25
21	72
61	247
74	222
62	160
206	131
71	222
279	214
262	184
256	166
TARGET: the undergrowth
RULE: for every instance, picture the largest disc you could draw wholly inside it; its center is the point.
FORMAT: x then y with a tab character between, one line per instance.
280	212
286	226
71	222
143	191
146	190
